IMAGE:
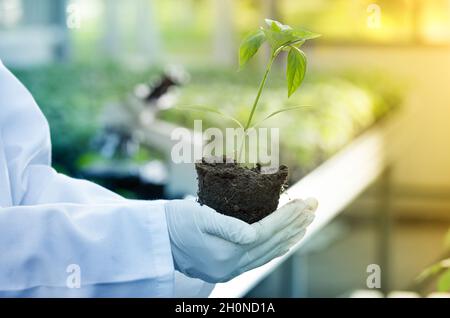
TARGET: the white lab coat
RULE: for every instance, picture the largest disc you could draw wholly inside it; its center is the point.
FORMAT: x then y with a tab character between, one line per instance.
48	221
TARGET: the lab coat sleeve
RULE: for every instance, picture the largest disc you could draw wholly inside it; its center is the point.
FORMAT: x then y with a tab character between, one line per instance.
50	223
106	250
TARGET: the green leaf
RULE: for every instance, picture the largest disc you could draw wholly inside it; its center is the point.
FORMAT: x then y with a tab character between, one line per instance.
434	270
277	26
443	284
279	35
305	34
282	110
297	44
279	39
250	46
212	110
429	272
296	69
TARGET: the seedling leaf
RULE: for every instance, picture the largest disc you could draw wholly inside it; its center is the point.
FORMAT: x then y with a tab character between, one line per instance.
282	110
212	110
305	34
434	269
278	39
429	271
279	35
250	46
277	26
296	69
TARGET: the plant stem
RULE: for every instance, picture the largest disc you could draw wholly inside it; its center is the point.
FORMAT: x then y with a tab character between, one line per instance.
261	86
255	103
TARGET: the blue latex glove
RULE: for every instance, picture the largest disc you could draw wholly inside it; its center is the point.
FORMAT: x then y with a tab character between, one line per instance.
215	247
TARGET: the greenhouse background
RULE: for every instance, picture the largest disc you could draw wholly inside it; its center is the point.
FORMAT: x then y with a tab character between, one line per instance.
379	65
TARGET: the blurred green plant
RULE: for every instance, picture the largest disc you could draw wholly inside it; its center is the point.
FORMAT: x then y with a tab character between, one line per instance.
141	156
439	270
72	97
281	37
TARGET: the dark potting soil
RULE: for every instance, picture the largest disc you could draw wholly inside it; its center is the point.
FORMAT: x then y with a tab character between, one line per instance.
234	190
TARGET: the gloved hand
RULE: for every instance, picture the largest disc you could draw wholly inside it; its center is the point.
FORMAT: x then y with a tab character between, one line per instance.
215	247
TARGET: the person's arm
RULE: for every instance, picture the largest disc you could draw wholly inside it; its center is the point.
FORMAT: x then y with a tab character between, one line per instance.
119	249
49	221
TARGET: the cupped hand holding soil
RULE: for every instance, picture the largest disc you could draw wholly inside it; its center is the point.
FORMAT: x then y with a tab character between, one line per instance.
234	190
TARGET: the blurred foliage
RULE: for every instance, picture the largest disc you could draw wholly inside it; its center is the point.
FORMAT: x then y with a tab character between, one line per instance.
72	96
443	284
342	106
141	156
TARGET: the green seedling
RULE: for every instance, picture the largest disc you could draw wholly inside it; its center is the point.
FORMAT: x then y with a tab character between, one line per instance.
280	37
